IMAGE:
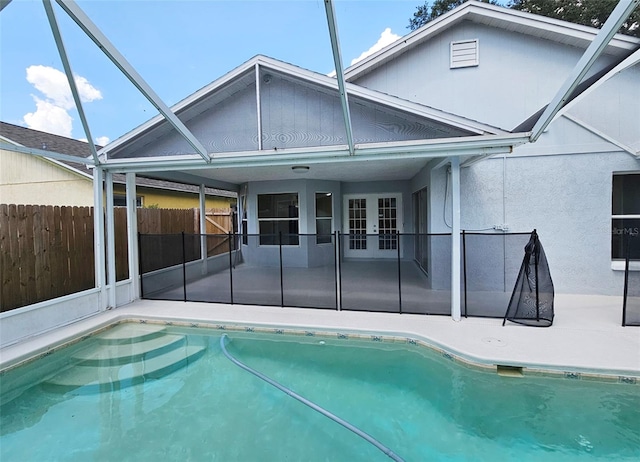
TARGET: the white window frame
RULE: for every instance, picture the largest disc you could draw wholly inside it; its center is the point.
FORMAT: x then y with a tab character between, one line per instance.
297	219
330	219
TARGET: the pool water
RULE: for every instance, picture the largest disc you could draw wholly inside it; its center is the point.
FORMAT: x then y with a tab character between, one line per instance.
420	404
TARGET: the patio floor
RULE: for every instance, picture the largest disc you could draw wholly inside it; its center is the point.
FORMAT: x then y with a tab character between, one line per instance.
370	285
586	335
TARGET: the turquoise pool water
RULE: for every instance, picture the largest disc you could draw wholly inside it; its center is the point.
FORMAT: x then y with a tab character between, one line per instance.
420	404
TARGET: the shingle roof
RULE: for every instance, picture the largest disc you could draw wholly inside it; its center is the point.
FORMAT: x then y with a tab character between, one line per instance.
36	139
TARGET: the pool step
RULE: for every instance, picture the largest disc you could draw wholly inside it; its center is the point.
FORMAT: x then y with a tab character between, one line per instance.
130	333
115	361
125	353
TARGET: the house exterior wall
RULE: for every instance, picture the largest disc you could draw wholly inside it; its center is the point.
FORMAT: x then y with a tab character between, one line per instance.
308	253
165	199
562	184
31	180
517	74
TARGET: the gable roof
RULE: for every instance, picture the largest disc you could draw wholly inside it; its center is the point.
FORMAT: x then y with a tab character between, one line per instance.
499	17
244	75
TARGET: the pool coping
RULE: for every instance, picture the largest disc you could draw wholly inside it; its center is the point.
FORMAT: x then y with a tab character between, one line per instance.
246	321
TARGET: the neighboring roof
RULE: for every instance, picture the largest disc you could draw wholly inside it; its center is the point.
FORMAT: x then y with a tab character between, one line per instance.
495	16
36	139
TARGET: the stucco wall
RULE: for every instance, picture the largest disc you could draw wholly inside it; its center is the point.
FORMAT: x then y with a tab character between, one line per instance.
517	75
567	198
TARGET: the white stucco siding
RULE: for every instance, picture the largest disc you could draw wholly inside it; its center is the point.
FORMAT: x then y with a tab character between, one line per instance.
30	180
517	74
567	198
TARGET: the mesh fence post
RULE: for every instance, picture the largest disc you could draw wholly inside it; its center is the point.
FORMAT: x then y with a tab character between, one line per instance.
231	245
184	270
339	257
537	259
625	292
335	266
140	265
464	269
398	239
281	276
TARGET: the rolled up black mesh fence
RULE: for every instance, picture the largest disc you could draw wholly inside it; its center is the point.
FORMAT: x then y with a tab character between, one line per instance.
631	300
531	302
490	269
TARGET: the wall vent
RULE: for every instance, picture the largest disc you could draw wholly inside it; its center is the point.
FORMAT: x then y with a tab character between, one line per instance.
465	53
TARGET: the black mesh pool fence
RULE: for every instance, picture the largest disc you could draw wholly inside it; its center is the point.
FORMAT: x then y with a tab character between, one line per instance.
631	291
384	272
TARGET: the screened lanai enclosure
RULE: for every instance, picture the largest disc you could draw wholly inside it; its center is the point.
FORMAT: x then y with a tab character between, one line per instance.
349	198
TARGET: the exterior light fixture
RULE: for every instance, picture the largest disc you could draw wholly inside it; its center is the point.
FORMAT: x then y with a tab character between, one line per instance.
300	168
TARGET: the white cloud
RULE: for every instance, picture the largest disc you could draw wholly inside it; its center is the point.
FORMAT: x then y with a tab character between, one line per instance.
386	38
102	140
49	118
52	114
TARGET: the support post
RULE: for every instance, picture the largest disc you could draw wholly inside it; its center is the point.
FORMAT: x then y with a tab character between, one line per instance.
111	243
455	239
98	235
132	237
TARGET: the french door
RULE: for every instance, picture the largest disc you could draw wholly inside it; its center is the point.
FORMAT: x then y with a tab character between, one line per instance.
372	222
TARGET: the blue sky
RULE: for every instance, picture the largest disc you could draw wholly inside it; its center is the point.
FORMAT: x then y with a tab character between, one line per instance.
177	47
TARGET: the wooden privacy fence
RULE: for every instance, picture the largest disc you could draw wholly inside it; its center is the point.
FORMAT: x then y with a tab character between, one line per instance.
47	252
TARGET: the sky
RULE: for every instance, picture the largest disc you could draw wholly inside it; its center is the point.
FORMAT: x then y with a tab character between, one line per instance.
177	47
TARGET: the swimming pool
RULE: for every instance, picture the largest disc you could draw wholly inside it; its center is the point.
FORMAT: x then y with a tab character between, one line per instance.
202	406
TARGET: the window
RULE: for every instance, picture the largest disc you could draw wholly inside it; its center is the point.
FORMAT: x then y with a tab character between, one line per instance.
120	200
625	216
464	53
324	217
278	215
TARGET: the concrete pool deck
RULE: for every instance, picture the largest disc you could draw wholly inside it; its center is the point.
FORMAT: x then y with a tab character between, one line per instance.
586	335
